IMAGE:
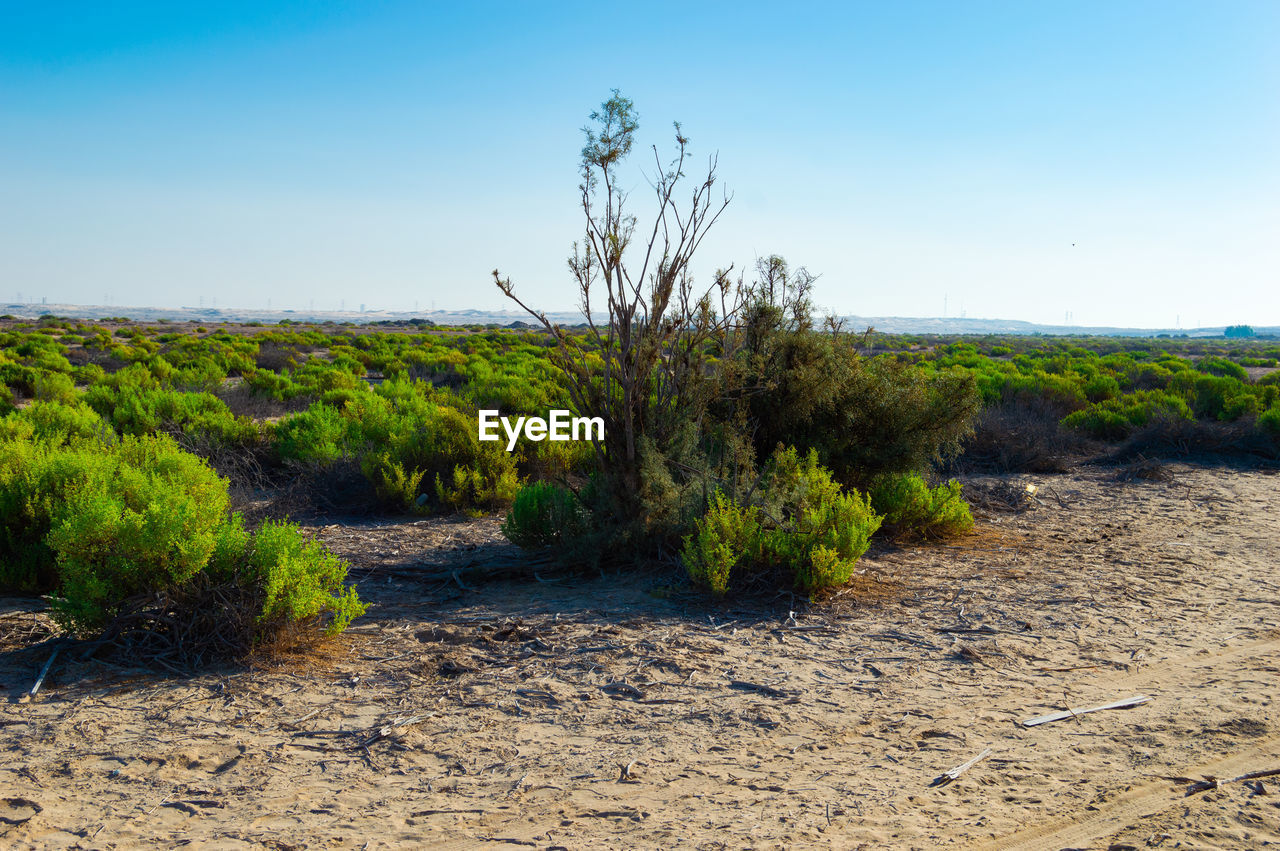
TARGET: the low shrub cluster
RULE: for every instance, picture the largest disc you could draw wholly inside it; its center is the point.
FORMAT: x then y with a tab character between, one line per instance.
114	527
413	444
913	510
803	527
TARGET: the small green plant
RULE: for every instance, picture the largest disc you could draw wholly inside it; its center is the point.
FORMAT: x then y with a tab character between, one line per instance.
721	539
823	530
298	579
55	387
912	509
544	514
1269	421
1211	365
1115	419
806	528
391	483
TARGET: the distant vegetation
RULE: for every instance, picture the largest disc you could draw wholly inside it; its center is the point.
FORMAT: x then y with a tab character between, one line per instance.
99	425
756	447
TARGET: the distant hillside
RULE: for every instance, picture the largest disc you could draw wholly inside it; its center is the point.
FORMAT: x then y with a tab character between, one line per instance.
952	326
886	324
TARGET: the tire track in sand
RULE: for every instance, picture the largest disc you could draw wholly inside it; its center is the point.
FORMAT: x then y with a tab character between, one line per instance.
1139	802
1130	806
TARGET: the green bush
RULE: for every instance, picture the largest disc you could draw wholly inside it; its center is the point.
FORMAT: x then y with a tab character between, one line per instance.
544	514
53	422
1269	421
822	531
1115	419
296	579
140	509
140	410
725	535
912	509
807	528
55	387
865	417
1211	365
401	437
112	528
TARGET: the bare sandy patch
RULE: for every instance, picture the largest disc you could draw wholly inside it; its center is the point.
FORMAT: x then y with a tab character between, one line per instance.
547	710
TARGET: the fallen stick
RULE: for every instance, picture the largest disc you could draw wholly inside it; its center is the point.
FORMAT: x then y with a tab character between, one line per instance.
44	672
952	774
1211	782
1136	700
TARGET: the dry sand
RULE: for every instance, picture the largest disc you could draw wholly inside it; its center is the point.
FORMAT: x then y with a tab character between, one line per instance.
627	712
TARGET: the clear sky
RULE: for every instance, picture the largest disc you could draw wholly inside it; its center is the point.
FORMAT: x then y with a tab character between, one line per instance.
1119	160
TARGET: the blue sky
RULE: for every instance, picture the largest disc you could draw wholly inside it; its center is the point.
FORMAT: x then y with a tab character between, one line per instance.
1119	160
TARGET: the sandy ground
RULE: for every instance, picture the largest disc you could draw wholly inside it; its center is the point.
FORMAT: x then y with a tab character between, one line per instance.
628	712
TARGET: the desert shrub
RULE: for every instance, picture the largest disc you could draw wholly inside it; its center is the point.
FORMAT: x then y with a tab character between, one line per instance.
280	387
55	387
1115	419
141	504
19	378
146	526
391	484
1269	421
545	514
275	357
136	531
865	417
1211	365
721	539
297	580
1240	405
401	438
810	532
695	386
139	410
556	460
487	484
1101	387
317	435
1206	394
912	509
53	422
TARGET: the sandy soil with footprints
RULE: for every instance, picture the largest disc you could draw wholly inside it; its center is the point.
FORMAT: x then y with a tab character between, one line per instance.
546	711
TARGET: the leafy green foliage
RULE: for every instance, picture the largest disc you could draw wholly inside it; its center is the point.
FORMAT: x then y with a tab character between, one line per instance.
1269	421
724	536
912	509
297	579
806	528
1115	419
110	525
866	417
1210	365
545	514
